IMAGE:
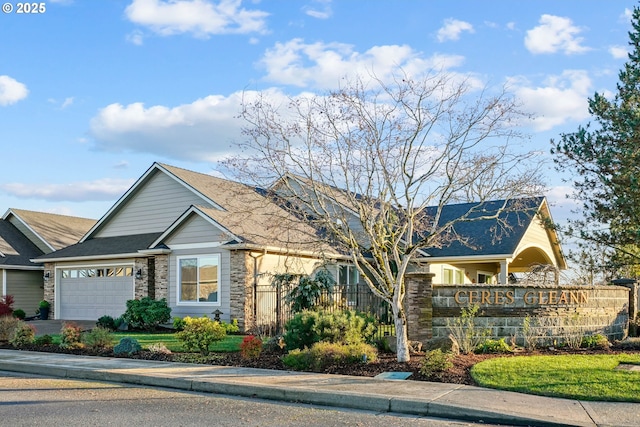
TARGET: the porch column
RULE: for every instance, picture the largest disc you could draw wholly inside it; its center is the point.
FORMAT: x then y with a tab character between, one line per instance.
504	273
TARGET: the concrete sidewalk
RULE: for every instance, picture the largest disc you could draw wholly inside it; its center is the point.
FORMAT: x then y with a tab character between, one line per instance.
451	401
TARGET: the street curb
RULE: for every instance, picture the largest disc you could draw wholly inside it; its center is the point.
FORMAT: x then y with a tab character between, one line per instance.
341	399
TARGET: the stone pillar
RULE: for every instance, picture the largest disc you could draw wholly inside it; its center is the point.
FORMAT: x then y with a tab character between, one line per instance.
50	287
241	290
419	307
634	294
161	277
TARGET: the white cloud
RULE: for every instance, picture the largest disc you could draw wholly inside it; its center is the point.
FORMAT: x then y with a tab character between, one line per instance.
323	65
203	130
135	37
619	52
11	90
201	18
560	99
99	190
554	34
324	10
67	102
452	29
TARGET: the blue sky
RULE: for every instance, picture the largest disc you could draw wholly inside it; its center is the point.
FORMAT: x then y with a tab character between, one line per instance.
92	92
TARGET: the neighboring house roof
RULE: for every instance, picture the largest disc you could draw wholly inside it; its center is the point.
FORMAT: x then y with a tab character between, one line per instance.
104	247
489	236
16	250
53	230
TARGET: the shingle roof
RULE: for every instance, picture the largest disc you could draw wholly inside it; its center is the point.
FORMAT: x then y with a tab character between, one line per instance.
251	214
101	246
18	250
59	231
487	236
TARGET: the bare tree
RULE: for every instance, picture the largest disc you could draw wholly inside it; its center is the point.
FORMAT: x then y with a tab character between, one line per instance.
373	164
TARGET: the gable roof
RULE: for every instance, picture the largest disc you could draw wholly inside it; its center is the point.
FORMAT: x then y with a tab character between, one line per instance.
486	236
15	249
53	230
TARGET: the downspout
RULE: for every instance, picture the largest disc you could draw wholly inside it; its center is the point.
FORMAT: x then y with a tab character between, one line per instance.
4	282
255	283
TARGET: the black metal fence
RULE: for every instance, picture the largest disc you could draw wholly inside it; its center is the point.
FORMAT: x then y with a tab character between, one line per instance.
271	311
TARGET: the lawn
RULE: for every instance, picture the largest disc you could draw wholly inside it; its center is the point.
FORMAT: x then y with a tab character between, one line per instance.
228	344
584	377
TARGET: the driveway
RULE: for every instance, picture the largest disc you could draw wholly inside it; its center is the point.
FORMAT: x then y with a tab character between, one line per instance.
50	327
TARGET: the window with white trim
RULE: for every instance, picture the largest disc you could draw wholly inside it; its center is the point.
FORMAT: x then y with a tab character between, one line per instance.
199	279
348	279
452	276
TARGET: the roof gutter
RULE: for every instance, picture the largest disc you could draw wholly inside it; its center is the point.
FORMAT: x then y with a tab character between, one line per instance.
285	251
90	257
469	258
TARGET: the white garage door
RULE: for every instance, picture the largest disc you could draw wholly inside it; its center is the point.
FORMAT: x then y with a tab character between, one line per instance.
91	292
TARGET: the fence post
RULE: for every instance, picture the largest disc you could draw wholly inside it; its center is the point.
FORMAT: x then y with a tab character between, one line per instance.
418	305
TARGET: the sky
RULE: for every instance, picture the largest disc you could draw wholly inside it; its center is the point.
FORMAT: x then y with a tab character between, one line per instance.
92	92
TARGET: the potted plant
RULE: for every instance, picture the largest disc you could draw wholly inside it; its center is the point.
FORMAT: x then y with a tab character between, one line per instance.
44	309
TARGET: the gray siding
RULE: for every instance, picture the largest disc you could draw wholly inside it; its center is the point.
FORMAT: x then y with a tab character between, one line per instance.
29	234
27	288
157	204
198	310
196	230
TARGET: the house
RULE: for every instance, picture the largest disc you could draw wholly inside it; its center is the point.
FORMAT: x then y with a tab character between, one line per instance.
201	242
496	249
207	244
25	235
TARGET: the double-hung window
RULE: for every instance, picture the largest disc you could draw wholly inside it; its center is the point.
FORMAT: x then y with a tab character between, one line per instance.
199	279
452	276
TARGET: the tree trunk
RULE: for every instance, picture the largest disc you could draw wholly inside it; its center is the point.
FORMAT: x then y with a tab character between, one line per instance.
402	341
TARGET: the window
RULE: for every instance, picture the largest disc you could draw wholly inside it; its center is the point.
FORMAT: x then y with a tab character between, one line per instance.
198	279
484	277
83	273
452	276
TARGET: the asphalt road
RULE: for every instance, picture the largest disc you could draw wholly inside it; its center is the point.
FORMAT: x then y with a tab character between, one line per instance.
29	400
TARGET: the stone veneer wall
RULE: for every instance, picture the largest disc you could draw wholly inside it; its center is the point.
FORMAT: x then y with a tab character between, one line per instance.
503	308
50	287
141	286
418	305
241	289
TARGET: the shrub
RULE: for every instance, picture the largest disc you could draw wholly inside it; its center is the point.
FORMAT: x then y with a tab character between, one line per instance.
199	333
6	305
19	314
631	343
493	346
127	345
147	313
158	348
595	341
324	354
7	326
70	336
44	304
119	322
464	330
106	322
178	323
231	328
23	335
344	327
436	362
43	340
304	291
98	339
251	347
275	344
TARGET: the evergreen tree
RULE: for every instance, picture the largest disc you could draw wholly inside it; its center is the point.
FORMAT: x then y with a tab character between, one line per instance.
604	157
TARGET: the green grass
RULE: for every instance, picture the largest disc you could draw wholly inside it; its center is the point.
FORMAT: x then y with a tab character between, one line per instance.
584	377
229	344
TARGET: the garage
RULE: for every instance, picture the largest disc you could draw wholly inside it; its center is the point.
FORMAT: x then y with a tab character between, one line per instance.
87	293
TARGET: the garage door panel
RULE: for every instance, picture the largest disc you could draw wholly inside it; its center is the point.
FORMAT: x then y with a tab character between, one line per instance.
89	298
